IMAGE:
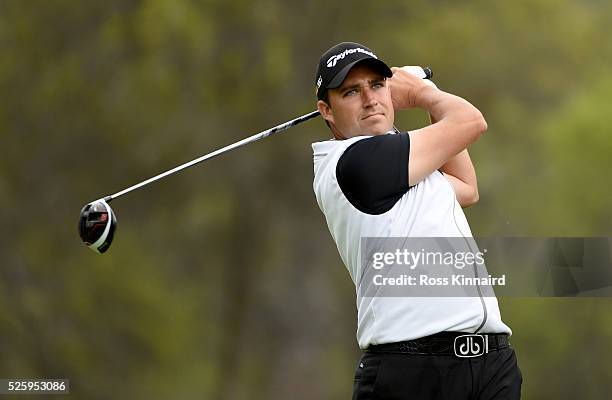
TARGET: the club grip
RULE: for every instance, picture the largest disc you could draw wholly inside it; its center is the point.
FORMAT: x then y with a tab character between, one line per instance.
419	72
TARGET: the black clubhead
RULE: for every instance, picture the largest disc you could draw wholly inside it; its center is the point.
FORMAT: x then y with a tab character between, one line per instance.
97	224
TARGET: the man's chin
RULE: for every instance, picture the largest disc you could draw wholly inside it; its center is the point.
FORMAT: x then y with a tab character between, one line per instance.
378	129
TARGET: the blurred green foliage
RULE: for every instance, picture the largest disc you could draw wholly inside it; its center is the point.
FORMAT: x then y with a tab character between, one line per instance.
223	281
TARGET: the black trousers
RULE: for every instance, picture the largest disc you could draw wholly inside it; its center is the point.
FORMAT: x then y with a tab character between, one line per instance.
396	376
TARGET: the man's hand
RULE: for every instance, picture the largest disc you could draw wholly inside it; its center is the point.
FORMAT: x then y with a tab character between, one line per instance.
405	86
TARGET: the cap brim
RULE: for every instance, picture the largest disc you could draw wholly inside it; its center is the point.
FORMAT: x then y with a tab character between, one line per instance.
374	62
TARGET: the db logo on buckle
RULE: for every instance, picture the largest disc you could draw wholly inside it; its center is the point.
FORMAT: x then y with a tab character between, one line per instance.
471	345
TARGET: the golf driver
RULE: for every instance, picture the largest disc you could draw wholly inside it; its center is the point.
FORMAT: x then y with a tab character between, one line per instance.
97	221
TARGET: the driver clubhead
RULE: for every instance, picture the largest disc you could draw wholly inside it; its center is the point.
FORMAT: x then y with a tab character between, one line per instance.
97	224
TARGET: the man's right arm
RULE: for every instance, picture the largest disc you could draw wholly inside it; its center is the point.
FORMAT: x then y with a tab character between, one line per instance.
458	124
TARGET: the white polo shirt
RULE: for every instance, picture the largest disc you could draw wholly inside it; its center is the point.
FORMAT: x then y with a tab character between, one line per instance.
361	186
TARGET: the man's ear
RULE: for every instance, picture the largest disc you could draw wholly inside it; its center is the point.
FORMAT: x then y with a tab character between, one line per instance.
328	115
326	111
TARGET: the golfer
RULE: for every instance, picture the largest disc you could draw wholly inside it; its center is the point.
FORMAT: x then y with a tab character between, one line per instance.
372	180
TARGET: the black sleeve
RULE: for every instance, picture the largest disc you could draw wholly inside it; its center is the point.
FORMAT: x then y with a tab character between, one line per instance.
373	172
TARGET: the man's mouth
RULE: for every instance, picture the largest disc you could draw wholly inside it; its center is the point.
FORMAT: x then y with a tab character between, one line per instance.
372	115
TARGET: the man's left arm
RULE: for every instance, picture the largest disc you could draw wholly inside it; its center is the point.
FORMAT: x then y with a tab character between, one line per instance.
460	172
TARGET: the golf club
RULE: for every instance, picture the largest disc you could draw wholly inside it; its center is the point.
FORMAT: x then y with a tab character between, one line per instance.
97	221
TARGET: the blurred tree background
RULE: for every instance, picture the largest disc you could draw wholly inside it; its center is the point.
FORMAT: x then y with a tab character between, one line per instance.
223	282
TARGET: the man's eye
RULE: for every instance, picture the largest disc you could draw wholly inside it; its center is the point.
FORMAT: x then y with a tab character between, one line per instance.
377	85
350	92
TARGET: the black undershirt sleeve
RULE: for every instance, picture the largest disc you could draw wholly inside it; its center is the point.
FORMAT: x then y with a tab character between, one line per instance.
373	172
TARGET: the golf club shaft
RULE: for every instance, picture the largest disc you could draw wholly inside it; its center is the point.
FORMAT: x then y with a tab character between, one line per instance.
257	136
279	128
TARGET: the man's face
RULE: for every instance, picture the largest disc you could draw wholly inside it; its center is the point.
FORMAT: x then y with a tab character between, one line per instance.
361	105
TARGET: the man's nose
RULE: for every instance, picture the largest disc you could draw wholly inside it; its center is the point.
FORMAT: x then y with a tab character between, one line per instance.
368	97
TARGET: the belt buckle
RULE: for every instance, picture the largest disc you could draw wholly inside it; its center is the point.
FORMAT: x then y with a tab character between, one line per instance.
468	346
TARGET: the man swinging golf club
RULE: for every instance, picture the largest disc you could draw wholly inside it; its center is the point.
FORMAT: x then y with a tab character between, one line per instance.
373	180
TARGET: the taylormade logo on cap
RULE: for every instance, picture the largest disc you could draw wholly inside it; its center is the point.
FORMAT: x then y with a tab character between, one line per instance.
333	60
337	62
